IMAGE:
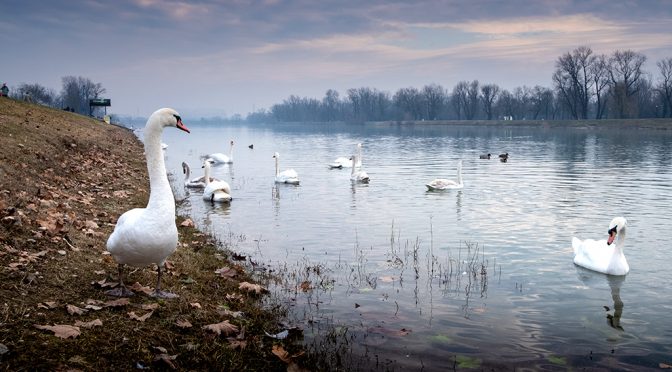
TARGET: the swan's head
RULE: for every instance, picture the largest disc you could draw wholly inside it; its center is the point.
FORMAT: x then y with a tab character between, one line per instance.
615	227
185	168
206	163
231	143
276	155
168	117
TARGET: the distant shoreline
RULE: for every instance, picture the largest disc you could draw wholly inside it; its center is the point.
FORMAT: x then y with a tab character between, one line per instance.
660	124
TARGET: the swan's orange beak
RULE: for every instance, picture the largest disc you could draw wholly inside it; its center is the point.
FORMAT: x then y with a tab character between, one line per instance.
612	235
181	126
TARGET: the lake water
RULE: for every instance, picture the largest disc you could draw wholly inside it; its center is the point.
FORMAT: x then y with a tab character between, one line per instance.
388	276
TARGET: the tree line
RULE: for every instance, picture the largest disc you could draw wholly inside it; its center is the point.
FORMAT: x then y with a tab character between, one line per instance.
76	91
585	86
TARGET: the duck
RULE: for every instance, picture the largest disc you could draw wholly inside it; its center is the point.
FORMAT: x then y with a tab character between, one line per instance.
144	236
358	175
504	157
445	184
196	182
215	191
251	146
219	158
606	255
346	162
484	156
287	176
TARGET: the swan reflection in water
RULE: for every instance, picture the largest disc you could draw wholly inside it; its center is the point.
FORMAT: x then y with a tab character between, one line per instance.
591	278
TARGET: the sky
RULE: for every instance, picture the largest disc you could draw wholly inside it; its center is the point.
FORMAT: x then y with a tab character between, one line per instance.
220	58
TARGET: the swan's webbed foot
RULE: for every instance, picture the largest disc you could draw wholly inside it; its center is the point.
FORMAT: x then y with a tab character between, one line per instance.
120	291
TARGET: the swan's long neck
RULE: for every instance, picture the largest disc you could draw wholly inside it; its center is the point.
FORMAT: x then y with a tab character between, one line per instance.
160	193
354	164
206	172
277	169
231	152
620	239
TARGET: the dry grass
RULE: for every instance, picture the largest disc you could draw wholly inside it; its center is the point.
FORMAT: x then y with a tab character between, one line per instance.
64	179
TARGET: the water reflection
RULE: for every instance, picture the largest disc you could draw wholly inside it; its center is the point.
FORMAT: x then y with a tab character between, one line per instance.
593	279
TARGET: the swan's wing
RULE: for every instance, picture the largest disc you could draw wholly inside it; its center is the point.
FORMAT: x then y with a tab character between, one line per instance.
341	162
442	183
289	173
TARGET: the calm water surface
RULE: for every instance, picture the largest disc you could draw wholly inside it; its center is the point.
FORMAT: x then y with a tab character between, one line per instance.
402	278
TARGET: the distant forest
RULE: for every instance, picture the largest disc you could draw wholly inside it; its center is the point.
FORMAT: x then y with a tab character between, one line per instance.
585	86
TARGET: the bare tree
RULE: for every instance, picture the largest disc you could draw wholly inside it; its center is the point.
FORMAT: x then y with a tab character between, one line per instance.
37	93
471	105
625	72
331	105
434	97
665	85
409	103
489	94
541	101
572	80
522	102
599	71
77	91
506	103
460	97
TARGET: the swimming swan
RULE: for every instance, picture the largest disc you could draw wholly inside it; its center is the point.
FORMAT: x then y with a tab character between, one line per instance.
358	176
445	184
218	157
215	191
287	176
196	182
604	256
144	236
343	162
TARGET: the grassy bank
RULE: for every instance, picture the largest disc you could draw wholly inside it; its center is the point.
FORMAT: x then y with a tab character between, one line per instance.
64	180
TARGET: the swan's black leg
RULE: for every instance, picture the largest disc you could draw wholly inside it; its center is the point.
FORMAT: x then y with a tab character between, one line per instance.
121	290
158	292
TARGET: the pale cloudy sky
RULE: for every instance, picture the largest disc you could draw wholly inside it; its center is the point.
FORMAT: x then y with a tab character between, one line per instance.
225	57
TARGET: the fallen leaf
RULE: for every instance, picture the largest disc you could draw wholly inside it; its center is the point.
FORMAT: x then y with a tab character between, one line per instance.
281	353
195	305
74	310
226	272
117	303
140	318
183	323
60	330
140	288
223	327
91	324
187	223
152	306
251	287
48	305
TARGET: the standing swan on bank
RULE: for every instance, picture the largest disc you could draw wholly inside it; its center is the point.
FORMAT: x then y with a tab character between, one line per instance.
218	157
604	256
215	190
287	176
445	184
144	236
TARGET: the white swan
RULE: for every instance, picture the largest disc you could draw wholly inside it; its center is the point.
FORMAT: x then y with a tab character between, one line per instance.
343	162
215	191
287	176
196	182
358	176
604	256
445	184
148	235
218	157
